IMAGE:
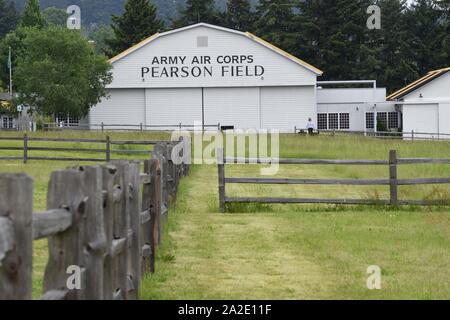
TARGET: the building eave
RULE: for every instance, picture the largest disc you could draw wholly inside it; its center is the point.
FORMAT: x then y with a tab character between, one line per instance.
429	77
245	34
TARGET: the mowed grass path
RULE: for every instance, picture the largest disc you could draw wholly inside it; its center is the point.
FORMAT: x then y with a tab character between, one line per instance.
304	251
293	251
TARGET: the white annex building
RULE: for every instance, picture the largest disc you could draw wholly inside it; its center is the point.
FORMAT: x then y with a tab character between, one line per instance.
209	74
426	105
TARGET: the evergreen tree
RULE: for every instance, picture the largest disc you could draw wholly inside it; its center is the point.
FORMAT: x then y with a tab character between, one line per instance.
444	8
332	35
275	22
238	15
426	35
390	64
32	16
139	21
8	17
197	11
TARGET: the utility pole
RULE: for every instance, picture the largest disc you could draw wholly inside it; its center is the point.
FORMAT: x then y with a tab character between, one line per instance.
10	73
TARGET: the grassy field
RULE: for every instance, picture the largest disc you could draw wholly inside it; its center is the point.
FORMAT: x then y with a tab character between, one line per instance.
295	251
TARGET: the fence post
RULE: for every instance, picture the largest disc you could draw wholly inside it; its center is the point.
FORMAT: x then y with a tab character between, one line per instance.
25	148
120	246
108	148
393	177
65	249
109	176
94	240
132	196
221	173
152	202
159	153
16	242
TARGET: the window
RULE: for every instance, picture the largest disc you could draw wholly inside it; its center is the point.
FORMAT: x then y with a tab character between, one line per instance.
202	42
382	121
73	122
67	121
344	121
370	121
8	123
393	120
333	121
322	121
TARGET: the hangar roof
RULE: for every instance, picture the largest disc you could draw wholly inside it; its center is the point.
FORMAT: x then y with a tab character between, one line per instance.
245	34
432	75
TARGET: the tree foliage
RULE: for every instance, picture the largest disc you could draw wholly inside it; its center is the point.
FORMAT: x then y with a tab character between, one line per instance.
196	11
138	22
8	17
58	72
32	16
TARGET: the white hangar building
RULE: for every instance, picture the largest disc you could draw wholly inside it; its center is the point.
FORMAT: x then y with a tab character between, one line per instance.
425	105
208	74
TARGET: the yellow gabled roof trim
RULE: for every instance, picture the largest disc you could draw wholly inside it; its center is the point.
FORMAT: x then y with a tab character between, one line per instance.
284	53
430	76
136	46
247	34
441	70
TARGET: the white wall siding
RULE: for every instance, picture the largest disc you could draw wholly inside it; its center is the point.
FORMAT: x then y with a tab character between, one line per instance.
422	118
285	108
124	106
173	106
238	107
351	95
435	90
279	70
444	118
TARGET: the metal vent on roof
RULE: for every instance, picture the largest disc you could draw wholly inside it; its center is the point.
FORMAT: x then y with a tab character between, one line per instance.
202	42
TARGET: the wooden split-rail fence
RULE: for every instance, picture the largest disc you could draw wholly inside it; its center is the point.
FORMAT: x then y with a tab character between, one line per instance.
393	181
103	222
104	148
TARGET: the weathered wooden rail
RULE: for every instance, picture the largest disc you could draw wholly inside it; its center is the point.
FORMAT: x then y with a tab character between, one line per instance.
393	181
108	151
104	221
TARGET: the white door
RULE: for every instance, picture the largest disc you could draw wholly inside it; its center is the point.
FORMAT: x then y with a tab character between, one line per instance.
238	107
122	107
285	108
421	118
167	108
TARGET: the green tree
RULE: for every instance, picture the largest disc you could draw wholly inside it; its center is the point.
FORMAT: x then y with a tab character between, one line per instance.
138	22
55	16
12	40
8	17
333	35
238	15
58	72
444	9
275	22
427	32
32	16
99	35
197	11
